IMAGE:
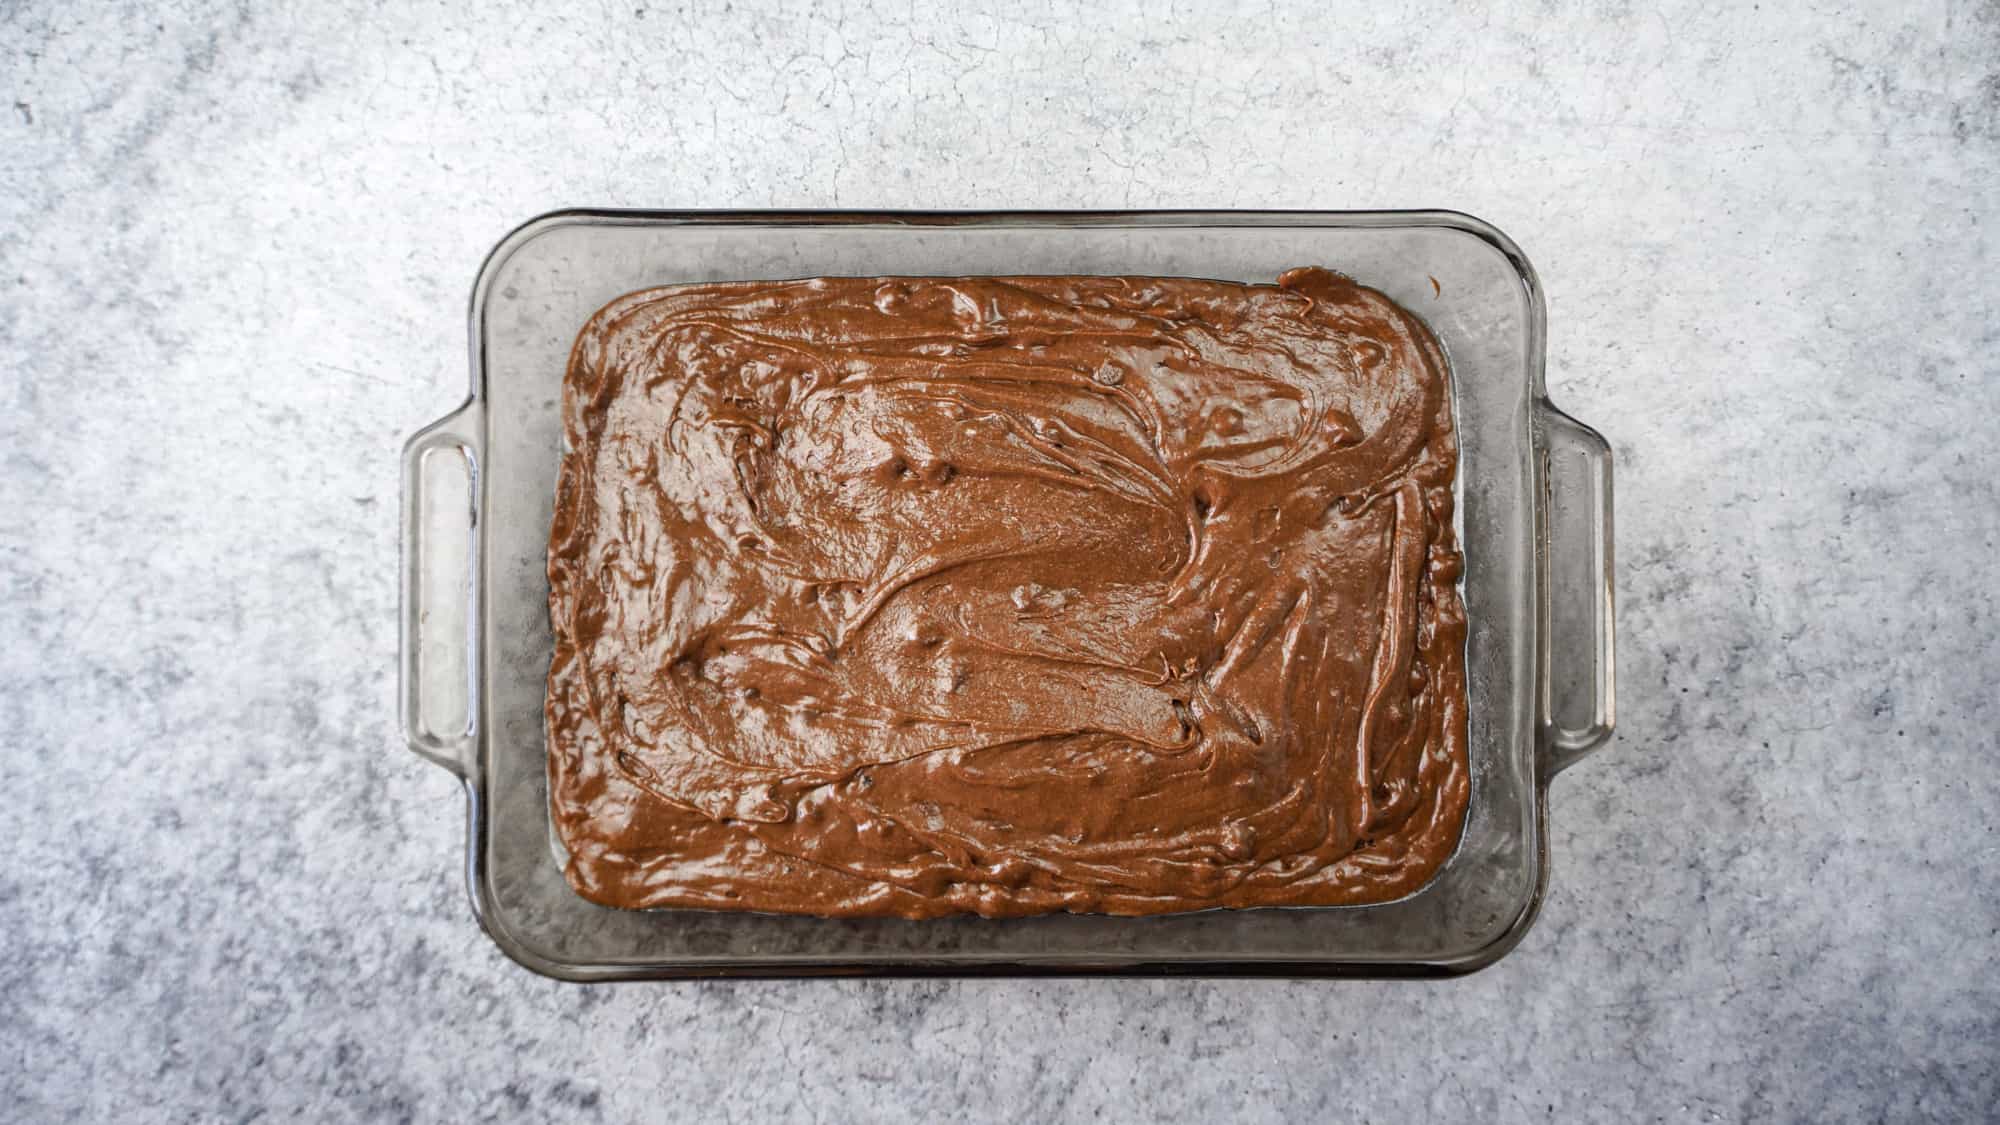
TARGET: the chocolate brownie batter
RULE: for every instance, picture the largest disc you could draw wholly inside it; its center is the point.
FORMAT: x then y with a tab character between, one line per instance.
921	596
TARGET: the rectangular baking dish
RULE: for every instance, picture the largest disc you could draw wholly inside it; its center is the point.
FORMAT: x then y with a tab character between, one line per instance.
1535	521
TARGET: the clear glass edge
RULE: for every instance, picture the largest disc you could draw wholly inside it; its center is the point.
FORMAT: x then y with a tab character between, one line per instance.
447	431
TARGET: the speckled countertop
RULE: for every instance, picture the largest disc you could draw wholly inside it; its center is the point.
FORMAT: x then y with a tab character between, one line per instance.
235	245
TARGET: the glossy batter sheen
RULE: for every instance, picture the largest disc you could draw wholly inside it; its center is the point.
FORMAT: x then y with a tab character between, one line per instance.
920	596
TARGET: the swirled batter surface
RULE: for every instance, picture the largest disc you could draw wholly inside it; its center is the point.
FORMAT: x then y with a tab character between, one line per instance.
1006	595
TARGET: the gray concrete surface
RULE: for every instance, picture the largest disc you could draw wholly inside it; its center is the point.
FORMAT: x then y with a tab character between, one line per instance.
235	245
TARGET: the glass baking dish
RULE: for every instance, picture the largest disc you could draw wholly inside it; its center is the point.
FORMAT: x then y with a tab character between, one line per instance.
1535	522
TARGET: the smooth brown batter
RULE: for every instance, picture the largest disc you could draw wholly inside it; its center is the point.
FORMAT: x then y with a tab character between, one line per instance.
920	596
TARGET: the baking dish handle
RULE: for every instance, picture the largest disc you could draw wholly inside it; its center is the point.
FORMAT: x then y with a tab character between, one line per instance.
1575	470
439	693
